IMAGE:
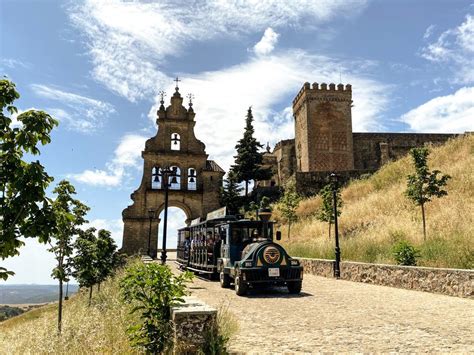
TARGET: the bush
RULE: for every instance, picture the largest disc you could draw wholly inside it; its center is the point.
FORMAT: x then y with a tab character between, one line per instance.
152	289
405	254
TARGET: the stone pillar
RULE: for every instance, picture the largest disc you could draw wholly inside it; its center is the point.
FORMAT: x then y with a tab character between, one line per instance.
192	322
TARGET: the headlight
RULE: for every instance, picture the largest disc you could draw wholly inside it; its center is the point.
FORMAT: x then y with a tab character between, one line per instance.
295	262
248	264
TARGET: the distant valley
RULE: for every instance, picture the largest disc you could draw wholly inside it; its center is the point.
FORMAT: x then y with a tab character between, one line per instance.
31	294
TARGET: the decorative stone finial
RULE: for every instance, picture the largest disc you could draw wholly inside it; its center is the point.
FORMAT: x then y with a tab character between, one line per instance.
268	147
190	98
177	81
162	99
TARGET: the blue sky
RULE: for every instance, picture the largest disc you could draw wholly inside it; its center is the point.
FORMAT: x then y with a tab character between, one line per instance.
98	66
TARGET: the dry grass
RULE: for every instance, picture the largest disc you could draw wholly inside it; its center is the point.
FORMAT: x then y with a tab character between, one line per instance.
100	328
376	214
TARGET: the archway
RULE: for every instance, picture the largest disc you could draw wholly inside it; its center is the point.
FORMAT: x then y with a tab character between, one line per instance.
176	219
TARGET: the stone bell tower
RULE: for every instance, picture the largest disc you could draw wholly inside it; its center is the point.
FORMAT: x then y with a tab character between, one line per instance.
323	128
195	188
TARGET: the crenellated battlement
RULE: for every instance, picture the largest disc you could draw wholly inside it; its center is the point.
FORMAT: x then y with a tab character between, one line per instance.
323	88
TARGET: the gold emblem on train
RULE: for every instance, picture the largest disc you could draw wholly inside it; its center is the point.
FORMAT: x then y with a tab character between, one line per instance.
271	255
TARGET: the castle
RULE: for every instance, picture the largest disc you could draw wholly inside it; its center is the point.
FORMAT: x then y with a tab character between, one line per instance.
324	141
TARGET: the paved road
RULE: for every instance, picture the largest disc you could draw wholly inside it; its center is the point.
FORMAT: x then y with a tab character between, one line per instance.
341	316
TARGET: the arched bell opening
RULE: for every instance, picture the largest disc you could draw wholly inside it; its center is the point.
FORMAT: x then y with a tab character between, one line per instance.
192	179
175	141
174	182
156	178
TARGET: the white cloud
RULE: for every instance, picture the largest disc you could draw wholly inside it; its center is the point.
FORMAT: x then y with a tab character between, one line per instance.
267	43
429	31
13	63
455	47
127	155
129	41
265	82
452	113
84	114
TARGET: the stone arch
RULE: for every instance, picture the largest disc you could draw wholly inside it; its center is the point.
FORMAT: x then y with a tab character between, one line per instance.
179	204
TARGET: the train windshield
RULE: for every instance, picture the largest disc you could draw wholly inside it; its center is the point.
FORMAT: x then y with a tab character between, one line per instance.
241	233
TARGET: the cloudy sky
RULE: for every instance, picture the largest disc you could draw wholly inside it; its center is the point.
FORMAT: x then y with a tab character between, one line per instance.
98	65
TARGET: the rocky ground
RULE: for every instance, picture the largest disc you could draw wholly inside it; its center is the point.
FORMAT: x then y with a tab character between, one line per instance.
342	316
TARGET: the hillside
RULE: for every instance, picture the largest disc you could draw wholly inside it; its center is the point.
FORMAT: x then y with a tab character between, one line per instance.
27	294
376	214
100	328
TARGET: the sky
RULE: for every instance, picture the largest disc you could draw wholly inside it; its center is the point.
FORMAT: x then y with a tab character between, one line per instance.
98	66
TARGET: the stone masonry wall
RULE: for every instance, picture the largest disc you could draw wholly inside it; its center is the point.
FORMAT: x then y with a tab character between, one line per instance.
451	282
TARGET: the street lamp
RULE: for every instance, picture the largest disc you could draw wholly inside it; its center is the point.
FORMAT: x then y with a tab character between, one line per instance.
151	216
337	270
166	173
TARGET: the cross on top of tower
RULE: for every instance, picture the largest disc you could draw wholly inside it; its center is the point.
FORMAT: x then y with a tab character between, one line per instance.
177	81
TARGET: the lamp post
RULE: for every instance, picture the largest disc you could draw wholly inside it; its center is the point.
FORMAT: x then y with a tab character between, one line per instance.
166	173
151	216
337	270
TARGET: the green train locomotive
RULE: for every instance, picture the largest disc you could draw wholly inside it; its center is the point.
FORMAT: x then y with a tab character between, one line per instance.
238	250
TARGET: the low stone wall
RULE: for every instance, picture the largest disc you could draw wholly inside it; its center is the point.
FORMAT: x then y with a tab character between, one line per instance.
451	282
192	320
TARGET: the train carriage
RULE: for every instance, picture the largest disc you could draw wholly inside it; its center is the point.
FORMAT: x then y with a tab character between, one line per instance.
240	251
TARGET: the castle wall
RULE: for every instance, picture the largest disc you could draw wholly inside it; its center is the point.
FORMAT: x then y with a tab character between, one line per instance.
372	150
285	160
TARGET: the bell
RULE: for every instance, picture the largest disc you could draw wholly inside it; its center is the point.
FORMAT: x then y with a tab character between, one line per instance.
191	179
174	180
157	178
175	142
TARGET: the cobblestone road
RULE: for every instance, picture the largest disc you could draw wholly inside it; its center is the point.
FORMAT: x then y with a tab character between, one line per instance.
341	316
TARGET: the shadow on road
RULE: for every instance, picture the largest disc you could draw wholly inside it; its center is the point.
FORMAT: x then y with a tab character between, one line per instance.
275	292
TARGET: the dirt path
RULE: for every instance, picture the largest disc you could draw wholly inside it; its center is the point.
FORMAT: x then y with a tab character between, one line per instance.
336	316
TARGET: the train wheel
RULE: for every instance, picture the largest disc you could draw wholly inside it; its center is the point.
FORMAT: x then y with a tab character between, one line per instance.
294	287
224	279
240	286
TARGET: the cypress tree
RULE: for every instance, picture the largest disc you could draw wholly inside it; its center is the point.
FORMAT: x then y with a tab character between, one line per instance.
248	160
230	193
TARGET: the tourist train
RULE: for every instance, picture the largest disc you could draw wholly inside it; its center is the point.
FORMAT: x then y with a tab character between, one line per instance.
238	250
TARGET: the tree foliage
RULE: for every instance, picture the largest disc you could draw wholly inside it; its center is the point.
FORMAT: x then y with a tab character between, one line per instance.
288	203
230	193
153	289
85	260
68	214
248	161
405	253
326	212
24	206
423	185
108	259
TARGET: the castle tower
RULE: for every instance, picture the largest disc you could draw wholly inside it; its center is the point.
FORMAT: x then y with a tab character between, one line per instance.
198	180
323	128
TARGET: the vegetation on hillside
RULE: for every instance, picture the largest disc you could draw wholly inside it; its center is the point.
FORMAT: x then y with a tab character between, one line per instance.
125	308
377	215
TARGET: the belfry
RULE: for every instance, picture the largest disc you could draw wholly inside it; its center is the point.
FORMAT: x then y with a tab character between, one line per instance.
195	184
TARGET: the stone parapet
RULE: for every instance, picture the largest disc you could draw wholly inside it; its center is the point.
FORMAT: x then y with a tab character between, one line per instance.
451	282
192	321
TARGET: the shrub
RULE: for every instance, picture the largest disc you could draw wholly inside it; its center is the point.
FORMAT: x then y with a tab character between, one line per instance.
153	289
405	254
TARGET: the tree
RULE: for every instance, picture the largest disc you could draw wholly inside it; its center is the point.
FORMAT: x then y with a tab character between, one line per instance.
24	206
326	212
153	289
85	261
230	193
248	161
289	203
107	257
423	184
68	214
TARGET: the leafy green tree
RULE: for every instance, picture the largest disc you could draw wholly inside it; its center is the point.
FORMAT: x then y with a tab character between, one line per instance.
85	260
230	193
326	212
68	215
405	253
248	161
153	289
423	184
24	206
288	203
107	257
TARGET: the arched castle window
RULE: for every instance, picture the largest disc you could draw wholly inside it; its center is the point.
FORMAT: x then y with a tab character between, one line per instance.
177	174
156	178
192	179
175	141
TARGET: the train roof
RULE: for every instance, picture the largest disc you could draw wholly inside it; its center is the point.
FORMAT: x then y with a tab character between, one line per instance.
225	220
